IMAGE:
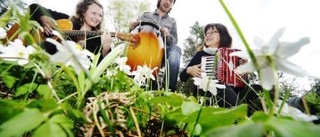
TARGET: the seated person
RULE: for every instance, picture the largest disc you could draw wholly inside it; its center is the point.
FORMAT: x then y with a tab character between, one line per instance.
216	36
88	17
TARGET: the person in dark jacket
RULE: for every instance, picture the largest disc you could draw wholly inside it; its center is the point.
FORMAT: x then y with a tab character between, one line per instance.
216	36
89	16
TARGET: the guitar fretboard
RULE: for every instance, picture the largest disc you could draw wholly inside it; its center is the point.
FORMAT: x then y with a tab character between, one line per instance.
79	33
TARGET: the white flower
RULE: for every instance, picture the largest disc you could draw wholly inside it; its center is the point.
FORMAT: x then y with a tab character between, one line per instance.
208	84
294	112
111	73
16	51
3	33
142	74
122	66
69	54
272	53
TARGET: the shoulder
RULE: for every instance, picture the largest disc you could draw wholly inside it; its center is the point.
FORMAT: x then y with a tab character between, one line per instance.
34	6
201	53
148	13
76	25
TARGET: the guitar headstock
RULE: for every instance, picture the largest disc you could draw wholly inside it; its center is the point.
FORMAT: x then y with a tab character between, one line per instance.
134	38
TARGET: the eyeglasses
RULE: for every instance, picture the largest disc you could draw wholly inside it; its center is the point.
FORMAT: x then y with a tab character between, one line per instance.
210	33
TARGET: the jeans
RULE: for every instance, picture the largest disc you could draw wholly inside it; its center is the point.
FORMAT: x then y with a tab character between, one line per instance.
173	54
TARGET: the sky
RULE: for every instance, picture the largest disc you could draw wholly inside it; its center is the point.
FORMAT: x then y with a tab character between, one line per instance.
260	18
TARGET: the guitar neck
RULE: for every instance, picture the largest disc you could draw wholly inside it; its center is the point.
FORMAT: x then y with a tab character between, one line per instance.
134	38
81	33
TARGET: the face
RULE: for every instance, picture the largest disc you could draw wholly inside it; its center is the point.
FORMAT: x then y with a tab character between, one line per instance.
93	16
212	38
166	5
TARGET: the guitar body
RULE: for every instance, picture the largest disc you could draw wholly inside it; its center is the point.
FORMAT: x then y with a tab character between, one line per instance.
12	33
150	49
62	25
39	36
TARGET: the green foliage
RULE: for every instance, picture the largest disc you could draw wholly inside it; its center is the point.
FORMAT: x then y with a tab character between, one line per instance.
121	12
193	42
45	117
31	116
44	98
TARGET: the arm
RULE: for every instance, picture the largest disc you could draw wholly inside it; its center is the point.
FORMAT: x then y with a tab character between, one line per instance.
192	69
171	35
36	11
106	41
46	17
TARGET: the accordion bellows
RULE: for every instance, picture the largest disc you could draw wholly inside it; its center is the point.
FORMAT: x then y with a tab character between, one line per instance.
221	66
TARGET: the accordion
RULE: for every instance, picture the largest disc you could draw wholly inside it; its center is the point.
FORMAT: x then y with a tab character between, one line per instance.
221	67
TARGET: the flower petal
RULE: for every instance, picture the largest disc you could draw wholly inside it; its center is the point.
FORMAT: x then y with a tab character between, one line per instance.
289	49
288	67
241	54
247	67
213	90
259	42
267	78
274	41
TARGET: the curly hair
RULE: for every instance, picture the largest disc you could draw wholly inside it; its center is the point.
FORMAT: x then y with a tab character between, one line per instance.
81	8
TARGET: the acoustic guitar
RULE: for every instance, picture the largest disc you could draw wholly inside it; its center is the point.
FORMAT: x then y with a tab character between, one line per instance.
146	47
65	27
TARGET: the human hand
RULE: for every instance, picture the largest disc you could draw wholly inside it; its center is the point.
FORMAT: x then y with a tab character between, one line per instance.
47	24
165	31
106	41
133	24
195	70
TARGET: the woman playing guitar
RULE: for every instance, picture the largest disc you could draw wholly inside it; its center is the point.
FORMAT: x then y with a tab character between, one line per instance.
89	16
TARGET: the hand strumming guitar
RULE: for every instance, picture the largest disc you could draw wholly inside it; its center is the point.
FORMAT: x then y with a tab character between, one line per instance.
48	24
106	41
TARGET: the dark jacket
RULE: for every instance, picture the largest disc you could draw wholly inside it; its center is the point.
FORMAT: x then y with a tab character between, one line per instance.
226	97
194	61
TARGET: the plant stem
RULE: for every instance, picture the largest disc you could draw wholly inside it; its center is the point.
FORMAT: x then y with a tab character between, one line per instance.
135	121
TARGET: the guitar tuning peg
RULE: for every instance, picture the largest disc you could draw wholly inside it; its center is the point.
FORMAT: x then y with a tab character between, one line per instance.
140	28
158	33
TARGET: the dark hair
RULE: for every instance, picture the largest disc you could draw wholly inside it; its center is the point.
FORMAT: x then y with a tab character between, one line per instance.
159	1
81	8
225	37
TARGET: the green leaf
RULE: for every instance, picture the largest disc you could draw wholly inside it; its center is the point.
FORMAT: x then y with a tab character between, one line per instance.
45	105
56	126
49	129
9	80
64	122
211	117
9	108
44	90
25	89
106	61
72	113
172	100
22	123
189	107
248	129
284	127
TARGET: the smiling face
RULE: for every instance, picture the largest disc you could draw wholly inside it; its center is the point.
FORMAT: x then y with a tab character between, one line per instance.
93	16
212	37
165	5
